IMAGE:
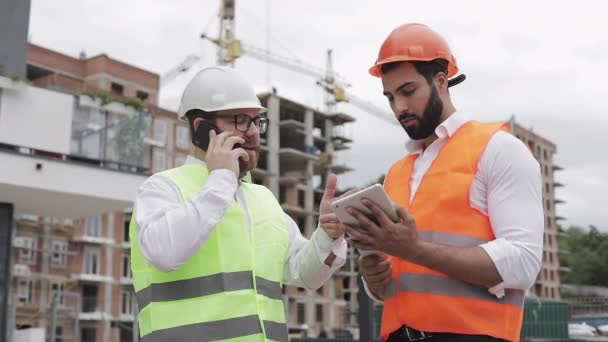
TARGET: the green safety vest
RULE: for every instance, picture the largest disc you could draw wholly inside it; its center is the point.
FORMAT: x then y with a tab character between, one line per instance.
231	289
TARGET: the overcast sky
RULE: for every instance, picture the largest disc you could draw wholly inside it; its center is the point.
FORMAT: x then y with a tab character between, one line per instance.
546	62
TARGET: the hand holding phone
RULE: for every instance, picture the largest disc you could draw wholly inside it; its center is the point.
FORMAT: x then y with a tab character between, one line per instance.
223	148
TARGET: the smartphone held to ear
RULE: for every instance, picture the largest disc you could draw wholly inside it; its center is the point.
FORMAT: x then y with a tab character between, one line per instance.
201	135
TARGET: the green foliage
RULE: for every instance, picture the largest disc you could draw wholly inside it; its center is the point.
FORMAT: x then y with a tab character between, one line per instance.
585	252
106	98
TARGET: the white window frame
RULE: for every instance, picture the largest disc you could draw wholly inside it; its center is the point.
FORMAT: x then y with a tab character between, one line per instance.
182	137
126	303
91	252
126	268
159	130
58	288
24	291
60	253
27	254
159	154
93	226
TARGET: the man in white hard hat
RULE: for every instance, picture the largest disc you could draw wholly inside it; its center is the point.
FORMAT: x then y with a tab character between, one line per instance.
210	251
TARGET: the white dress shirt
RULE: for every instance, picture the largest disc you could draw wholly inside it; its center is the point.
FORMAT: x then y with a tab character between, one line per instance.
508	189
172	230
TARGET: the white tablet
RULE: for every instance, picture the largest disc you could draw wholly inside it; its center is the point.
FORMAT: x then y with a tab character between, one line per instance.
374	193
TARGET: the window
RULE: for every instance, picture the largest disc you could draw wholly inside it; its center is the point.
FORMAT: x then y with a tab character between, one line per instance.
301	313
27	254
547	170
548	204
117	88
126	266
60	253
142	95
319	312
88	334
58	334
91	260
182	135
93	227
547	188
125	303
159	160
24	291
160	130
548	222
545	154
125	233
58	288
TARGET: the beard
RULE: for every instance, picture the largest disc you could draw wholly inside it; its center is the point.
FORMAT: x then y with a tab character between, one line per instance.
428	122
246	166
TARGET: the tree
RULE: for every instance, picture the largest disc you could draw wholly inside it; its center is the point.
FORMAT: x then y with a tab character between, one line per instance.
585	253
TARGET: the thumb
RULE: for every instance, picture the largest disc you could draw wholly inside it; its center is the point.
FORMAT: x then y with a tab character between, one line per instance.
330	187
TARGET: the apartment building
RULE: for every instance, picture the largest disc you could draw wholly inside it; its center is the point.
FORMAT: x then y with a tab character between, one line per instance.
548	283
83	264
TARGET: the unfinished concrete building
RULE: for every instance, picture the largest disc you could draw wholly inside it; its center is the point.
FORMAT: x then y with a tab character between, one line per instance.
548	282
84	262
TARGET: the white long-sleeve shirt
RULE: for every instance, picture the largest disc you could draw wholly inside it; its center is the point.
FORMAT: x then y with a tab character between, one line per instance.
508	189
172	230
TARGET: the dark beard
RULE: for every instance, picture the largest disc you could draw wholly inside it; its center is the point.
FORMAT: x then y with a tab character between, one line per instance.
429	121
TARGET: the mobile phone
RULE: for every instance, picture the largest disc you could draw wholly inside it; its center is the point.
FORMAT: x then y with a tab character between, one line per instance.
201	135
374	193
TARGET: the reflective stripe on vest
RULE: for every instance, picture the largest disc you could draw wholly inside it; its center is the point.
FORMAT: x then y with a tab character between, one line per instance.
424	298
207	285
231	288
220	330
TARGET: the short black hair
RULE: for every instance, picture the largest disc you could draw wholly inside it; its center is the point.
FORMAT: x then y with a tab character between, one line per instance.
428	70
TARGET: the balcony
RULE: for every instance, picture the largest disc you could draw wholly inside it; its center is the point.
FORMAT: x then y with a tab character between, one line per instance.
100	240
90	310
93	278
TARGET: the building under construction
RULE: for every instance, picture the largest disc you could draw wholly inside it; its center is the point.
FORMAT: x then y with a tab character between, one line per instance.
82	263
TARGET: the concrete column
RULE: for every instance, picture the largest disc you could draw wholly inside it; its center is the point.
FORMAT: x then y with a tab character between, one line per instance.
6	239
108	285
44	280
329	146
309	192
273	142
14	23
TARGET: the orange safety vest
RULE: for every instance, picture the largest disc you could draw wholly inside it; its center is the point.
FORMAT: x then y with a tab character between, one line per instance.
428	300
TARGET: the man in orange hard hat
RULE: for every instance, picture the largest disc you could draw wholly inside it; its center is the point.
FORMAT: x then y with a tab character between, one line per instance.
470	236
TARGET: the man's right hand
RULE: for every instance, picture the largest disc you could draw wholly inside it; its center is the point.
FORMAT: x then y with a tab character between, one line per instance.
221	155
376	271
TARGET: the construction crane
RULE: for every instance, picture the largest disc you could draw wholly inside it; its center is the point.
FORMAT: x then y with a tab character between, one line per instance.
184	66
230	49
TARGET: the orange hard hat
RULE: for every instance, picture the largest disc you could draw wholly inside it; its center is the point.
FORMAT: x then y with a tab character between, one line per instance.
414	42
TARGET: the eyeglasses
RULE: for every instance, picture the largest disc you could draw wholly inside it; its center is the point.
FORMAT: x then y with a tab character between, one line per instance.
242	122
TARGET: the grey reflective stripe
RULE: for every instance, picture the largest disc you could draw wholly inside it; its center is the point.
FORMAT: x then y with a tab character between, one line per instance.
391	289
270	289
276	331
207	285
449	239
436	284
143	297
219	330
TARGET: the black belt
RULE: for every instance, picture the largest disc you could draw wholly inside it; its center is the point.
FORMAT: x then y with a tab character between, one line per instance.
406	333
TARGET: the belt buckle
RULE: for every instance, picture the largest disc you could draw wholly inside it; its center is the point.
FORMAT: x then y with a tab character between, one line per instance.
416	335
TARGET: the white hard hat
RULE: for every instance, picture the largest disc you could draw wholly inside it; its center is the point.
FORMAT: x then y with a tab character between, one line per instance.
218	88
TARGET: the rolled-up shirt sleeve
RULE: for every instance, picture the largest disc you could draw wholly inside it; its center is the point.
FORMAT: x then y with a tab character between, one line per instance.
306	265
515	207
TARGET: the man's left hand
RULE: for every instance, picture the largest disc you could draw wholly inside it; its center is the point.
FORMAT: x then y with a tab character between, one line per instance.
399	239
327	219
